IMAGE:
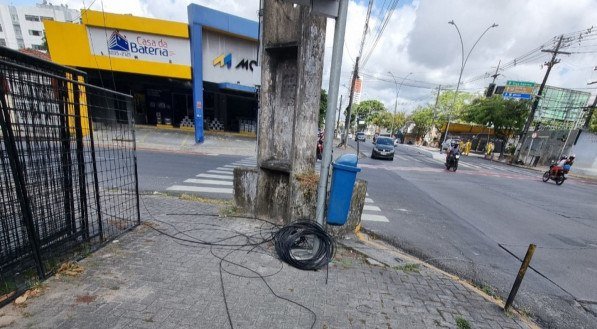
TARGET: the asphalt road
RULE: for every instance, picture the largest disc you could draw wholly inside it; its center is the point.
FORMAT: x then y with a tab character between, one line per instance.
178	173
477	221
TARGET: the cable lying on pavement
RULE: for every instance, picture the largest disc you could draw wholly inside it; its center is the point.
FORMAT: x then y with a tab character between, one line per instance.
304	245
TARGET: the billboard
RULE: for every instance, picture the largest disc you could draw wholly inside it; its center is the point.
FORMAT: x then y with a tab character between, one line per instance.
229	59
139	46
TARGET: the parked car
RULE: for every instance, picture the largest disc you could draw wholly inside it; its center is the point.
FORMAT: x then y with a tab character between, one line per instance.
383	148
359	137
447	143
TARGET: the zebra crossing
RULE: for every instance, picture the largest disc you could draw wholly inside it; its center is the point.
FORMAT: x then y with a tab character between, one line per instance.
214	181
371	212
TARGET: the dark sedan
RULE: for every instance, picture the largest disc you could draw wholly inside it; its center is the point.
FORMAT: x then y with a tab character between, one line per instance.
383	148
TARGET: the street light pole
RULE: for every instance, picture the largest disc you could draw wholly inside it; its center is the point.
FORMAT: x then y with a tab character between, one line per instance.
463	62
398	87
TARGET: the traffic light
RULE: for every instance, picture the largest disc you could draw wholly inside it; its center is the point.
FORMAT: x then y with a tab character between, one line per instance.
490	90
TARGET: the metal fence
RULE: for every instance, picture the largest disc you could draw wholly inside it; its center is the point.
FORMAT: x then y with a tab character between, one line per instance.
68	172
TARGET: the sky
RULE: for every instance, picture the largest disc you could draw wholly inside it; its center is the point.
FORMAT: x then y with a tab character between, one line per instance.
418	40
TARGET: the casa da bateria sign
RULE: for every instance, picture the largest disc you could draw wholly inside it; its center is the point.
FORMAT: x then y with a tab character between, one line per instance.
139	46
230	59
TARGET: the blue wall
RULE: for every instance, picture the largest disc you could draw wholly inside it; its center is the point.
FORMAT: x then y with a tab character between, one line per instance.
200	17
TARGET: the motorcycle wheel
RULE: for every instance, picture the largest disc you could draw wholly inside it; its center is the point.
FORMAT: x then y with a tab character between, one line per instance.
454	168
546	176
559	180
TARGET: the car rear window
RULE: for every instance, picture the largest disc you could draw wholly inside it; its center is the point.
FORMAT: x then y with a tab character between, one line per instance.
385	141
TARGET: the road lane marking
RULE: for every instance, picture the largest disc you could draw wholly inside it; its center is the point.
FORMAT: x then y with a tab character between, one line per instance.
215	176
368	200
200	189
230	166
227	169
374	218
208	182
371	208
220	172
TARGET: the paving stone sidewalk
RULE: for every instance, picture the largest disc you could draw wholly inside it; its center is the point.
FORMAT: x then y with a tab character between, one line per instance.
149	280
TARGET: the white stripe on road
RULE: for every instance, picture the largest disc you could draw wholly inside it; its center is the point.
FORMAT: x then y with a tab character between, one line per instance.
368	200
371	208
374	218
208	182
227	169
220	172
230	166
200	189
215	176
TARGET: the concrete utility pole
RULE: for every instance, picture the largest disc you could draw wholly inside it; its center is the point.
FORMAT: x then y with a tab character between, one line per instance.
355	74
439	89
592	108
496	74
531	116
291	75
398	87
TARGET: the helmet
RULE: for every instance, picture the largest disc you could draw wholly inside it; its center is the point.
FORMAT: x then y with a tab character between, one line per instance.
572	156
563	157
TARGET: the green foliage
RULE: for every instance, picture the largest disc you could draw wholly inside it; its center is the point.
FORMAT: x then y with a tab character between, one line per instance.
506	116
323	106
593	123
388	120
369	109
462	323
444	105
423	119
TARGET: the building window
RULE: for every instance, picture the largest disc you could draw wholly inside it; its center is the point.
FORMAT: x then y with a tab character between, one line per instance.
32	18
3	42
35	33
39	47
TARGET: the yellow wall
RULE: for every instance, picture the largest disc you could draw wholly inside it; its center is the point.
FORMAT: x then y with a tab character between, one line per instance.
68	44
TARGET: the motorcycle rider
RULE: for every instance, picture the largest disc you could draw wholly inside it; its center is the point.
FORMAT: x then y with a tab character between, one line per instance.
452	151
560	165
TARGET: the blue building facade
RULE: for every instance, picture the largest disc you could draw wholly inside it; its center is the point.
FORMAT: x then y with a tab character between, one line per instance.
225	70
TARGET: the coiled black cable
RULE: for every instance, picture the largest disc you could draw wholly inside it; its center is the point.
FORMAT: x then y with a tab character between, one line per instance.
295	244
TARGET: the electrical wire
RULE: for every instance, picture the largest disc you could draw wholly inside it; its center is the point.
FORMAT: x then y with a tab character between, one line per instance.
303	236
250	241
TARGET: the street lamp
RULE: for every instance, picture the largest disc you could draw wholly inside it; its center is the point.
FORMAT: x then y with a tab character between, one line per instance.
397	92
463	61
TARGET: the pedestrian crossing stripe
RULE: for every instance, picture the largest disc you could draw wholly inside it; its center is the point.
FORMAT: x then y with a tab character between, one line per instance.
215	176
374	218
220	172
202	189
208	182
371	208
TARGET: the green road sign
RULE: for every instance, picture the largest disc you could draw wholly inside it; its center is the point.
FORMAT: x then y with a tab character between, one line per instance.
520	83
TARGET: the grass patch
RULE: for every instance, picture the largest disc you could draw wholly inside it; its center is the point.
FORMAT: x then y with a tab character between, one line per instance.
488	290
409	268
462	323
7	286
229	211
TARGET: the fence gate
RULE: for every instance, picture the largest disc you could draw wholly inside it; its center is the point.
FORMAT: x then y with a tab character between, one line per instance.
68	171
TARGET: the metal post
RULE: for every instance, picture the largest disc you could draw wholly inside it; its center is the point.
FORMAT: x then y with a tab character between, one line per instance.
521	272
334	85
529	150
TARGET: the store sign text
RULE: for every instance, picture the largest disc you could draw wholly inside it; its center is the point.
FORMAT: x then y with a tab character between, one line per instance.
119	45
226	60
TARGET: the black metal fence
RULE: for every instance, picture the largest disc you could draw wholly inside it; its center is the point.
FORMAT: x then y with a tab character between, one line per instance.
68	172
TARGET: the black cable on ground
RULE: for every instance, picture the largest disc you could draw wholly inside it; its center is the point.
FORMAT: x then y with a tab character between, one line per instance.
295	243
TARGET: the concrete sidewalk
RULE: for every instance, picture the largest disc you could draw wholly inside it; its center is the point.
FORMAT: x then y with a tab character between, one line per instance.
149	280
174	140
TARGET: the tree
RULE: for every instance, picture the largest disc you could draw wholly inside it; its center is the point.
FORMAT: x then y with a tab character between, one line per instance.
593	123
368	110
323	107
388	120
423	119
445	109
506	116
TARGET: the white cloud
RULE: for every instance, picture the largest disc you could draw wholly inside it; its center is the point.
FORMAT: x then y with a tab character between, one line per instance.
418	39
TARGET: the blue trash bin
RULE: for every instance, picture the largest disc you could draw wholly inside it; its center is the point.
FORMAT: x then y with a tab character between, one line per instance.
343	178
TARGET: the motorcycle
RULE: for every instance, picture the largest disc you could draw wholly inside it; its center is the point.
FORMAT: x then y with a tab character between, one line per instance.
452	162
555	174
